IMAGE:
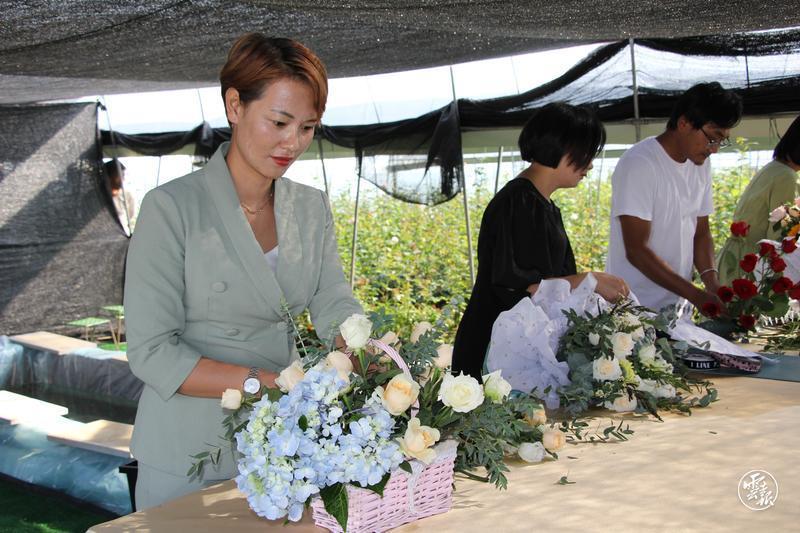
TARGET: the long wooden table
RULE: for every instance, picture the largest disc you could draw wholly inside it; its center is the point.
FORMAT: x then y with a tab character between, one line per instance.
679	475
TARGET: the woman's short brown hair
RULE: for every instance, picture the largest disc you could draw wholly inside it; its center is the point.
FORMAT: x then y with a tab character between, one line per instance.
256	60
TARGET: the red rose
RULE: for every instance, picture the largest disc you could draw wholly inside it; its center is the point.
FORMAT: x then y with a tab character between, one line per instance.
744	288
747	321
794	292
711	309
778	265
740	229
765	248
748	262
789	245
782	285
725	294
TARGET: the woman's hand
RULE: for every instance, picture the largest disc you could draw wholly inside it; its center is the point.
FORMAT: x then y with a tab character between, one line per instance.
611	287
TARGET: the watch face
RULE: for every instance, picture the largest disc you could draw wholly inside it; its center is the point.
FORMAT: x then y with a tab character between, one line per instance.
252	385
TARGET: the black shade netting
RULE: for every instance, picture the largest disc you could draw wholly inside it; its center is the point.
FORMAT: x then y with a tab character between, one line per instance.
62	249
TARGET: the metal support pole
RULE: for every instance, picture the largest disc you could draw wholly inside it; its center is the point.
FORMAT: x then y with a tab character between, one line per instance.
355	233
497	174
636	123
322	160
464	192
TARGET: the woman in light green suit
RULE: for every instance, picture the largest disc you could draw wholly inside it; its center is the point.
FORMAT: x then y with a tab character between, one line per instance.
214	255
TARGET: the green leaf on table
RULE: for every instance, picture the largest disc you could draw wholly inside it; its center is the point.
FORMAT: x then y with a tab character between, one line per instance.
565	481
335	499
378	487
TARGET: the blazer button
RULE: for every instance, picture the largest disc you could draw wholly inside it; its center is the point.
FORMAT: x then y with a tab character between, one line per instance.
219	286
232	332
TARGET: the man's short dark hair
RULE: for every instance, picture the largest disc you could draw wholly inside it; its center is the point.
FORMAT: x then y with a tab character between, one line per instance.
788	148
707	103
114	170
560	129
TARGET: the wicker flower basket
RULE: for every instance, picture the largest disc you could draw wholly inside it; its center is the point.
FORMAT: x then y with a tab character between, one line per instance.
406	497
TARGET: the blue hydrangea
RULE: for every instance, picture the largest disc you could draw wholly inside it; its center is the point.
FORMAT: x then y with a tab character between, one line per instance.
292	448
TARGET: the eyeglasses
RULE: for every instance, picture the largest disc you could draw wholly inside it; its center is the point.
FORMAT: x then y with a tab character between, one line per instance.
719	143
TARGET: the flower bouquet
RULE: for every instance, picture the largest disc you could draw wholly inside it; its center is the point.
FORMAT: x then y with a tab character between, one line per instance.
763	288
616	360
370	436
786	219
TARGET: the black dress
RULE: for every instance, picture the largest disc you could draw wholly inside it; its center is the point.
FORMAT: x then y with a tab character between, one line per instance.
522	241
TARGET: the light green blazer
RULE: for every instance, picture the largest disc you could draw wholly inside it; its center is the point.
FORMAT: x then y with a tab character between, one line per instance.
197	283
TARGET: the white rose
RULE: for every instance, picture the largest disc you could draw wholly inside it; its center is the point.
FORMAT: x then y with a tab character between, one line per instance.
605	369
461	393
622	344
665	391
399	394
290	376
594	339
637	334
495	387
538	418
444	356
231	399
531	452
419	330
777	214
356	330
647	353
417	441
622	404
553	439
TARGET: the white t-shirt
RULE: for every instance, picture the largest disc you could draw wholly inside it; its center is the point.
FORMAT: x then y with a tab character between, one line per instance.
648	184
272	258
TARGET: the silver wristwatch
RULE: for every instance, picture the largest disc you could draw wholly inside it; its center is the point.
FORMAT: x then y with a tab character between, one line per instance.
251	383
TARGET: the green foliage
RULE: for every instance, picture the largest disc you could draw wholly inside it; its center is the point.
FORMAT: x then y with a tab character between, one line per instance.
335	499
412	260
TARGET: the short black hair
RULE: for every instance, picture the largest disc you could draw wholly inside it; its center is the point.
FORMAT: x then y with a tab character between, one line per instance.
705	103
788	148
114	168
560	129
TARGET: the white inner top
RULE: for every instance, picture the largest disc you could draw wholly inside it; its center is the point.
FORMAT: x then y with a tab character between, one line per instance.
272	258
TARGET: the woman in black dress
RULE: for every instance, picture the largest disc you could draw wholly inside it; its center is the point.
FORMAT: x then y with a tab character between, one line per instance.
522	239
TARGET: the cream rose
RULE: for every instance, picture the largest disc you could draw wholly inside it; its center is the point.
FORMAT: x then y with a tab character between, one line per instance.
622	344
637	334
495	387
389	338
531	452
356	330
419	330
444	356
417	441
461	393
622	404
340	362
231	399
538	418
290	376
399	394
553	439
594	339
605	369
777	214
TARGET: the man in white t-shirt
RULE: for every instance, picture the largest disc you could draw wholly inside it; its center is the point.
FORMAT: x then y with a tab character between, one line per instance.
661	200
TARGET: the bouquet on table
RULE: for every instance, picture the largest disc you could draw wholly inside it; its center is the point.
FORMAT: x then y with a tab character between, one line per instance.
374	444
764	287
575	350
786	219
617	361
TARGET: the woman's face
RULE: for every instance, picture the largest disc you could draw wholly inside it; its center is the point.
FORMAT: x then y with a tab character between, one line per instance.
270	133
569	175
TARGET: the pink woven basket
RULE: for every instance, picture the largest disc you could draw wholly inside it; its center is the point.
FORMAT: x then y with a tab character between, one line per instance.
406	497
